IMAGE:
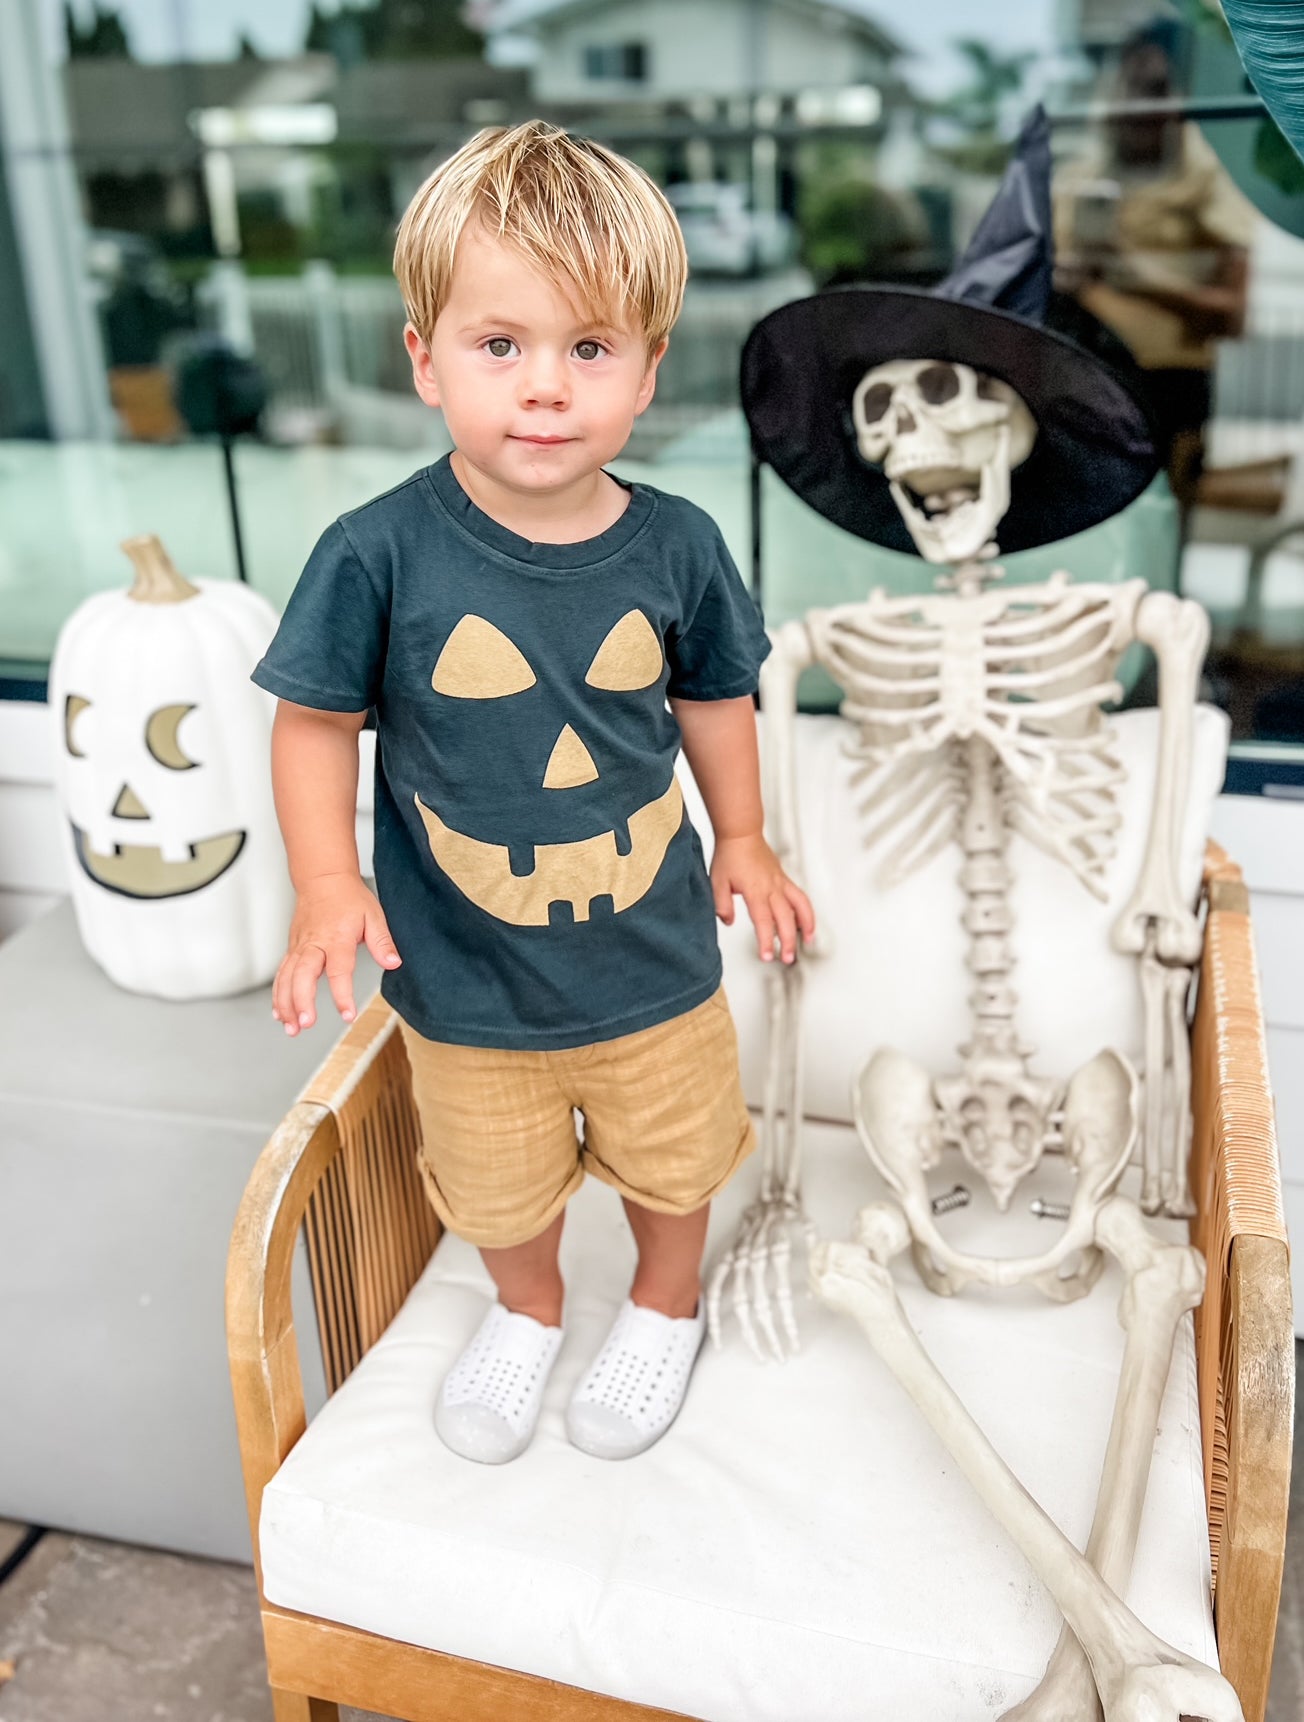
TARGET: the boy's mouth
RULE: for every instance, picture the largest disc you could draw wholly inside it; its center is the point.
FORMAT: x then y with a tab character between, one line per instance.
543	441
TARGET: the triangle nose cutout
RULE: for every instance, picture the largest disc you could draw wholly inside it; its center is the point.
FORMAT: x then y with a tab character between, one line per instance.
570	763
129	805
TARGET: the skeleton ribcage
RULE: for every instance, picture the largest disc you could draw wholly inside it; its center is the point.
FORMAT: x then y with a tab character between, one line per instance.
1023	671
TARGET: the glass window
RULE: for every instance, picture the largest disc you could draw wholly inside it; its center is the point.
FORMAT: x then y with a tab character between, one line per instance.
203	336
623	62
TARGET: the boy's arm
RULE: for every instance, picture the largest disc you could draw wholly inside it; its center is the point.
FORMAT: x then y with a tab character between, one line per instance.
315	783
721	750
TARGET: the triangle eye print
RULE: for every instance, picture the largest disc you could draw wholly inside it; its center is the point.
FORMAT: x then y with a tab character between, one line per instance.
479	662
629	658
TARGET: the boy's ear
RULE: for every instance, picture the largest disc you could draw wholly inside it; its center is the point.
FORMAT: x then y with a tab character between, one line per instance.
649	384
423	376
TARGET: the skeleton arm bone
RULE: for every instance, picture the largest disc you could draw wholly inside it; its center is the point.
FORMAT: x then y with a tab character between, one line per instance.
780	674
1178	630
761	1250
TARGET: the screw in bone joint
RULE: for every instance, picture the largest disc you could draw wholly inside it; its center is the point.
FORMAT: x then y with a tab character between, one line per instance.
1049	1210
959	1197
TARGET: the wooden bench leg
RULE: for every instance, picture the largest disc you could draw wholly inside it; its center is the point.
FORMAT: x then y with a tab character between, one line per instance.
294	1707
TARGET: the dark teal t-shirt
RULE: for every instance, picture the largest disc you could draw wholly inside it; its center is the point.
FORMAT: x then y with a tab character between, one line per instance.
541	879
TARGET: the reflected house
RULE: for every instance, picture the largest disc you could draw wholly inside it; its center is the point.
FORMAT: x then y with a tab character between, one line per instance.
673	50
720	104
144	136
701	79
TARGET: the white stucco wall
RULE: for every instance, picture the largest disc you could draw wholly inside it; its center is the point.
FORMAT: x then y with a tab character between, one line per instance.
715	50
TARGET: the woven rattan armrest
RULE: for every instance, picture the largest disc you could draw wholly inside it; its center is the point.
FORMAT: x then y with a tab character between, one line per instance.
1245	1347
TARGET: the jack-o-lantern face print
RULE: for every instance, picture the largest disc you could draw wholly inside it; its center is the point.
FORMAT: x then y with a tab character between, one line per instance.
480	662
141	869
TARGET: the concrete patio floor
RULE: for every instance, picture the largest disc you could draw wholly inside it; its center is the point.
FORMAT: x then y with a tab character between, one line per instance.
104	1632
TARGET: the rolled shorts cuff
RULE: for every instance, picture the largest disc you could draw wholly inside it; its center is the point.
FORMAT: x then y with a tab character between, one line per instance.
682	1204
505	1232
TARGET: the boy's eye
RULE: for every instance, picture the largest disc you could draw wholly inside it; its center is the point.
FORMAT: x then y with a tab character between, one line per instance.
499	346
588	349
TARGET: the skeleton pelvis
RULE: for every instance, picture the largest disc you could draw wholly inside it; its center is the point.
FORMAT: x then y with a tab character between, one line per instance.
999	1119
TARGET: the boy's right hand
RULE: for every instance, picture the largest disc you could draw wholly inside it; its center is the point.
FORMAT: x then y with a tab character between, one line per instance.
334	915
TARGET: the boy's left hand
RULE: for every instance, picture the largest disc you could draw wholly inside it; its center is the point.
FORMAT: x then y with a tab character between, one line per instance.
778	908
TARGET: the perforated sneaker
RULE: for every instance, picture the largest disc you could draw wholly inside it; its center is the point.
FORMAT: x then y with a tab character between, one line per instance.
636	1385
489	1402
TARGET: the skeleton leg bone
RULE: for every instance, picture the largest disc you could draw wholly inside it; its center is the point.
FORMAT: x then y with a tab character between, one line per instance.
1138	1676
1163	1282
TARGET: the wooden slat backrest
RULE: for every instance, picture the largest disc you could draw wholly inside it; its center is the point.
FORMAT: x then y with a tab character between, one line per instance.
369	1227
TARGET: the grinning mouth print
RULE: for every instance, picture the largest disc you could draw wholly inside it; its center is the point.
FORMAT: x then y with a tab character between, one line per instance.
573	873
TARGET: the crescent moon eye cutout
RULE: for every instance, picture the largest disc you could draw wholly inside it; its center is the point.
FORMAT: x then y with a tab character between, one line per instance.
161	738
73	707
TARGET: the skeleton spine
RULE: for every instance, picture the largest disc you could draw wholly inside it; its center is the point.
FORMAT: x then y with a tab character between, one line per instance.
985	880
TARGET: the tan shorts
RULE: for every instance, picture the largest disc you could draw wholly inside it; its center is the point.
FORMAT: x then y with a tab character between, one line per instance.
665	1122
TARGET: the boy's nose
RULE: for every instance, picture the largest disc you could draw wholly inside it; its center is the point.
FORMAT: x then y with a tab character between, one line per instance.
544	382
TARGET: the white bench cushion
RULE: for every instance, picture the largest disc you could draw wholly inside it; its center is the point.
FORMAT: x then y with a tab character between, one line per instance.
894	973
798	1546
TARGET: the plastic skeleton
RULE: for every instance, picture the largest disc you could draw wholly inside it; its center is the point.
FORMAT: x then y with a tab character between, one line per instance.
978	713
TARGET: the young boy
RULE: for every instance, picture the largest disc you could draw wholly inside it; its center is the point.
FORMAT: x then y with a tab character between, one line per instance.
518	619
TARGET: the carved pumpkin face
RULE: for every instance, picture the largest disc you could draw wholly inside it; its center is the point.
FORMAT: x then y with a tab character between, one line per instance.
480	662
176	872
148	863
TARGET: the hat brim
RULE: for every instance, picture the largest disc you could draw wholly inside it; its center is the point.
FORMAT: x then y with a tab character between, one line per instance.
800	366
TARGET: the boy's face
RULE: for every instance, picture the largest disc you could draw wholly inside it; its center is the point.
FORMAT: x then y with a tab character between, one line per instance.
534	395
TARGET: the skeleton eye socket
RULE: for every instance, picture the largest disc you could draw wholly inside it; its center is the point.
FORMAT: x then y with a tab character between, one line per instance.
989	389
875	402
938	384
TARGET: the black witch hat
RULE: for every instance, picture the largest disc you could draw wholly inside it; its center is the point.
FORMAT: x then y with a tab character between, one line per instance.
1095	447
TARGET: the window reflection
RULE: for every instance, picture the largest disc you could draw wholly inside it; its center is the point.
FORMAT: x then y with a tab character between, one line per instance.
227	176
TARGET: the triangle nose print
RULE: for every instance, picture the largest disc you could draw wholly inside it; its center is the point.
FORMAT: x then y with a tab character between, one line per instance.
570	763
129	805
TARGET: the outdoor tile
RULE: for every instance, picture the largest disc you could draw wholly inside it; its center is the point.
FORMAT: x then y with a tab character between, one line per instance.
101	1632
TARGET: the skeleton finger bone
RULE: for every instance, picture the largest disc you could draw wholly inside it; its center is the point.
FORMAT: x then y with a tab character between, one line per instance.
1138	1676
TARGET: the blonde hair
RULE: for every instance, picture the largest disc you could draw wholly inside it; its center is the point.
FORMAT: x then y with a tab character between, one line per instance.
584	216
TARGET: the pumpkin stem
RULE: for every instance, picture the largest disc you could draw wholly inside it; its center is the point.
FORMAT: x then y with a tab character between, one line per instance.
157	581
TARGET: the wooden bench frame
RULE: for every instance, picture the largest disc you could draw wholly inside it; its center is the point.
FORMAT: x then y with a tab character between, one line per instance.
342	1166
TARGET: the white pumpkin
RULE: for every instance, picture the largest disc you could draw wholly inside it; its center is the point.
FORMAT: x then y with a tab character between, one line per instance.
163	752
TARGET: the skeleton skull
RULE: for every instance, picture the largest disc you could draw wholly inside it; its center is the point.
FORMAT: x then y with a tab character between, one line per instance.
950	435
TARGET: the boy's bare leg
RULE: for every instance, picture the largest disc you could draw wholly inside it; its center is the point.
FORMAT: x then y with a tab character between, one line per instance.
669	1273
528	1276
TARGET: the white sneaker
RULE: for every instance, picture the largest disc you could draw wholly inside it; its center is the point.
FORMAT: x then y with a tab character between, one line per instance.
636	1385
489	1403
